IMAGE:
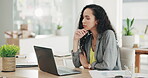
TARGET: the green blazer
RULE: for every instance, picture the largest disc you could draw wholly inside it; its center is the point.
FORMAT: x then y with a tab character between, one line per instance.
107	53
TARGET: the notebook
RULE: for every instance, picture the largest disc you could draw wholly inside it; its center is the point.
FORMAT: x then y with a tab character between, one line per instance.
47	63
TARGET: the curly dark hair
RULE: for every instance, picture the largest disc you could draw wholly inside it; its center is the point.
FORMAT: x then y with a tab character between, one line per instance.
101	17
103	22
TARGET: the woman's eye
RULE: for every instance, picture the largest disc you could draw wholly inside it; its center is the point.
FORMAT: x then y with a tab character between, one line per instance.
88	18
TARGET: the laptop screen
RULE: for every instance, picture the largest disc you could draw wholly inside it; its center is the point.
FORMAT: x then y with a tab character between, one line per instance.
45	59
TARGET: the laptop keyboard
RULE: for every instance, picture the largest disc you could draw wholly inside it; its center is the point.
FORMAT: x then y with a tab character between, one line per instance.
66	70
62	71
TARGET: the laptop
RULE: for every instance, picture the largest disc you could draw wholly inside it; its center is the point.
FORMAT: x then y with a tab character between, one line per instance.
47	63
22	62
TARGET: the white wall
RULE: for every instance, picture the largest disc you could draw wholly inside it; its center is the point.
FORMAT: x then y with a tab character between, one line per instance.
80	4
139	10
6	18
114	12
68	23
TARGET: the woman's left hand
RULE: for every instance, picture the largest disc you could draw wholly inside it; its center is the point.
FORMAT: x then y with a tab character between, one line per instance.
83	60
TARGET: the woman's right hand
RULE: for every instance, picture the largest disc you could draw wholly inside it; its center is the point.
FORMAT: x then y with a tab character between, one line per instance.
79	33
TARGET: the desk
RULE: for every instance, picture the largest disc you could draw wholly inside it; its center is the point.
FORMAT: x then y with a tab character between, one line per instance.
137	58
34	72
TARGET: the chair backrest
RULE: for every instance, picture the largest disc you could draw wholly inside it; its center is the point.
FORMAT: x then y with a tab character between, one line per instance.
128	58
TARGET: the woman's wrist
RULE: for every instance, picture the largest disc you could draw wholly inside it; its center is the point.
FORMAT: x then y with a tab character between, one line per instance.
75	40
75	45
89	66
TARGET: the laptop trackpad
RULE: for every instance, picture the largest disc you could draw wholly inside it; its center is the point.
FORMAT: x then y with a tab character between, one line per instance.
66	71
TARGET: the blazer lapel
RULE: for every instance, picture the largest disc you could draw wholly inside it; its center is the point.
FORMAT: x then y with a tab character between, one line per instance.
97	45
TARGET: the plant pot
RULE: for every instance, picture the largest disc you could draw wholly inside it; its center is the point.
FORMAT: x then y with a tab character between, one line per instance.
130	41
58	32
8	64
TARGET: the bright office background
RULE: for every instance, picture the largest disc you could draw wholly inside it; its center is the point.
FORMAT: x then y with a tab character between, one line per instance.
42	16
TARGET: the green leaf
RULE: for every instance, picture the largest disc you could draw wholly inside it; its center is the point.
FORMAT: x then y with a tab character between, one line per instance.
132	22
128	28
127	20
131	28
59	27
9	50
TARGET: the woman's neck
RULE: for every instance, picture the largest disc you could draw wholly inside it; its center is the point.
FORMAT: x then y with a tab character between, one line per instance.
94	34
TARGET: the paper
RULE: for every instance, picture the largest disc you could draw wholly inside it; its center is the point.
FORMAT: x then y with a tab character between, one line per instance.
112	74
106	74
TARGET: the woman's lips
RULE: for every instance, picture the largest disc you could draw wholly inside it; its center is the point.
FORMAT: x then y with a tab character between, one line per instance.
84	26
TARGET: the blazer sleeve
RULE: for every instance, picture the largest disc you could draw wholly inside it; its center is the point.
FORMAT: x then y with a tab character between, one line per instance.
109	49
76	58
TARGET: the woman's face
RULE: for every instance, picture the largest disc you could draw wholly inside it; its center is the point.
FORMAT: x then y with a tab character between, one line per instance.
88	21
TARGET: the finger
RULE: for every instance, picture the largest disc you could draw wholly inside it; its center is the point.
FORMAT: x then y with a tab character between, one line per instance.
80	55
84	53
82	31
79	32
85	30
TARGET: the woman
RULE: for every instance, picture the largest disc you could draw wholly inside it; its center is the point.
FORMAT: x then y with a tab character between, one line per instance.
95	42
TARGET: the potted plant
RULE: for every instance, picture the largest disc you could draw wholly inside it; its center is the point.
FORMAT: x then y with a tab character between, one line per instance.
8	52
58	30
128	38
128	28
